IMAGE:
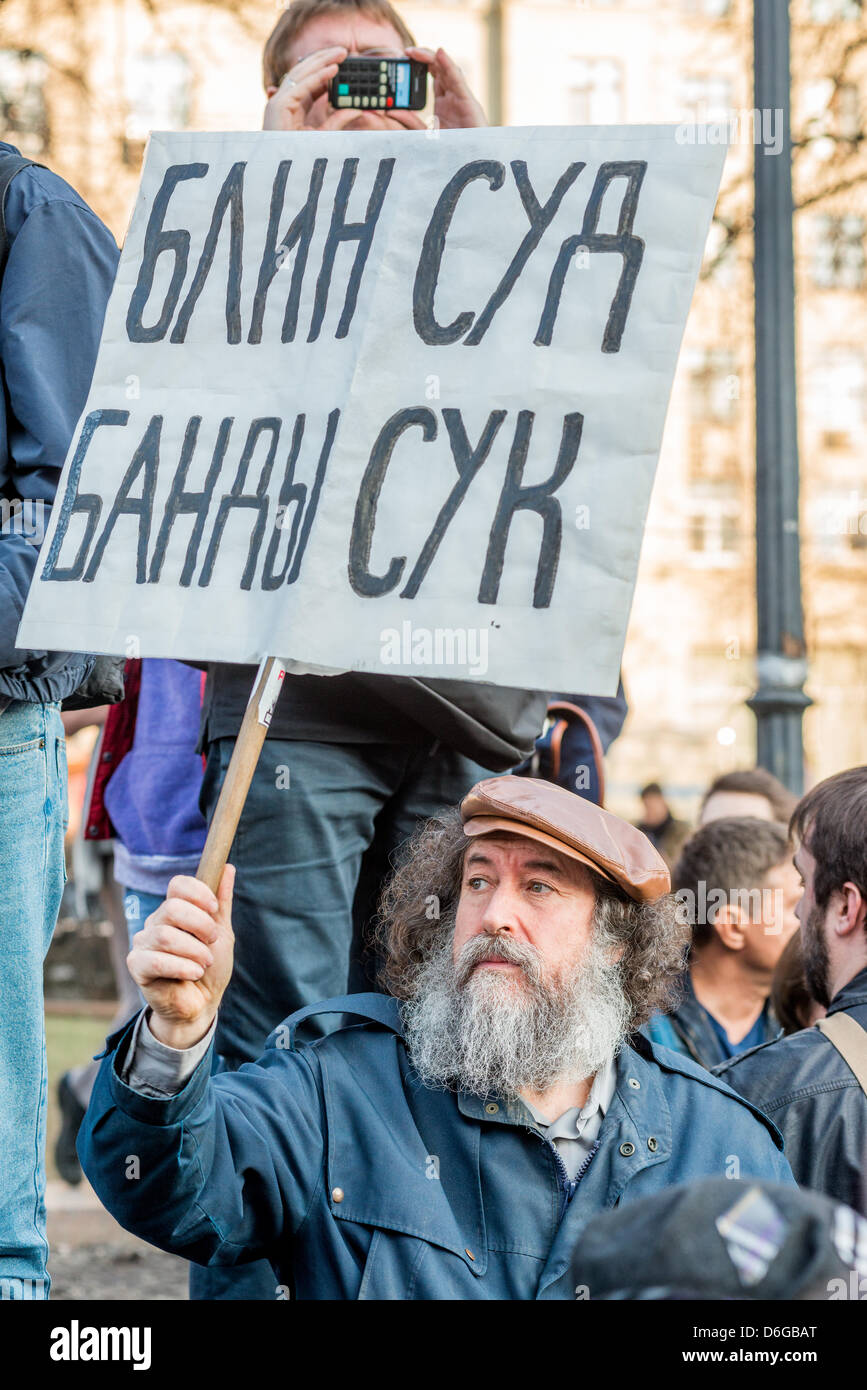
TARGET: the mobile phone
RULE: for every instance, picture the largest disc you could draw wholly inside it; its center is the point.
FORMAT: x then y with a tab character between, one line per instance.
399	83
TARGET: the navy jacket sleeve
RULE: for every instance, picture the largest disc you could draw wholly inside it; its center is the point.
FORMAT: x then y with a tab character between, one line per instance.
55	289
221	1172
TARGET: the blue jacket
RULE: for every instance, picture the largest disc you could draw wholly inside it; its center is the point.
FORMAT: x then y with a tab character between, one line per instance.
334	1162
55	290
687	1029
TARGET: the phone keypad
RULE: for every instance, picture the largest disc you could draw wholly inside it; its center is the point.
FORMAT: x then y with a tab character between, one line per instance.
370	84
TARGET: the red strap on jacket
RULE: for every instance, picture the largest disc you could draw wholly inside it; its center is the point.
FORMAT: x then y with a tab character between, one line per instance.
115	742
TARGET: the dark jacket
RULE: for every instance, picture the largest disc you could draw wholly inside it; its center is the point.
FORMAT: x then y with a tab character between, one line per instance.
802	1082
334	1162
570	751
496	726
55	289
687	1029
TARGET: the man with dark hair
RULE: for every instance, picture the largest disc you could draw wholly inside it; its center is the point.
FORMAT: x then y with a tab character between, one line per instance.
814	1083
737	888
751	792
434	1148
659	823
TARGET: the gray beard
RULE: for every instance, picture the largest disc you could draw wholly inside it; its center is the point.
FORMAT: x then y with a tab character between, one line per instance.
485	1031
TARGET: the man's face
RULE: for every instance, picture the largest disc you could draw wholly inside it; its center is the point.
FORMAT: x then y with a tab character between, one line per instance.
521	891
781	892
362	35
814	943
524	989
736	804
655	808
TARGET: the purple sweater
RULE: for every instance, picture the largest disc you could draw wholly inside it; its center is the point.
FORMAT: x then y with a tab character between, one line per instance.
153	797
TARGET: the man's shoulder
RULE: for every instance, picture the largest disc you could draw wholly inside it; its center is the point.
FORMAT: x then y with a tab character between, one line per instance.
685	1075
36	187
787	1069
785	1053
361	1014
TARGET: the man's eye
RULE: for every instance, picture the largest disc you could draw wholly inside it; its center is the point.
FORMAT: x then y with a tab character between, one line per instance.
471	882
537	883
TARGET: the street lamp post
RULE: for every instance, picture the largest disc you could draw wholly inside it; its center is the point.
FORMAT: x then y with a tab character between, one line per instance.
779	700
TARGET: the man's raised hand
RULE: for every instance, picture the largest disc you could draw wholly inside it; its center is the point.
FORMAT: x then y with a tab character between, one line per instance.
182	958
290	106
455	107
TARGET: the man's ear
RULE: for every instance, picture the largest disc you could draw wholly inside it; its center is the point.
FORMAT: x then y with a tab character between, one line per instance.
269	91
850	910
729	925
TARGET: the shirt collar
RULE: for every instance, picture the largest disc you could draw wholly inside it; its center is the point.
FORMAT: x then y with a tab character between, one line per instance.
599	1099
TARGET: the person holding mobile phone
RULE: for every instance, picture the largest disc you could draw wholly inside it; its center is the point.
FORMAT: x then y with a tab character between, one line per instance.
313	37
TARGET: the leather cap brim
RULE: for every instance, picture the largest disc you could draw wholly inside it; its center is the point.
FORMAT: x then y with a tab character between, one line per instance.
484	825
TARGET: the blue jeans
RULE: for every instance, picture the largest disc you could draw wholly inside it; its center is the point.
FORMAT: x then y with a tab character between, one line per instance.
318	829
33	818
136	907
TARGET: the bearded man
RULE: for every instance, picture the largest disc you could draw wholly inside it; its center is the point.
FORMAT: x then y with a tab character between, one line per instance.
453	1138
814	1083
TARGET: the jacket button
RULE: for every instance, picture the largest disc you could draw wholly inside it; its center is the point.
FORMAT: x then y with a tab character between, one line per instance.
634	1083
652	1144
492	1107
337	1194
627	1149
469	1253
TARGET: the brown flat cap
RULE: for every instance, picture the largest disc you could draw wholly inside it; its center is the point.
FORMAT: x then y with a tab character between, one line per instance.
568	823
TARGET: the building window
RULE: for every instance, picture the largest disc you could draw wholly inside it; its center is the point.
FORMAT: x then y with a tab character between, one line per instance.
22	100
713	526
837	391
827	11
705	97
722	255
711	9
595	91
158	98
832	114
838	252
839	522
714	385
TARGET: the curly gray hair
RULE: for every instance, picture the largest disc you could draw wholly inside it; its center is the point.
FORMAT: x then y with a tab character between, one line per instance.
419	901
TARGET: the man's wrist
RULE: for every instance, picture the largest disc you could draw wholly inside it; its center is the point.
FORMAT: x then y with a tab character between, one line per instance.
180	1036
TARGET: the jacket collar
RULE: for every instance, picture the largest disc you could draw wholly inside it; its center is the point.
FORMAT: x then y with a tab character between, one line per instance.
854	992
371	1008
694	1026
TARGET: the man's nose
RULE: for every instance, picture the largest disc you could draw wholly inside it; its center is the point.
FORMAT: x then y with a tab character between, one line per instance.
501	915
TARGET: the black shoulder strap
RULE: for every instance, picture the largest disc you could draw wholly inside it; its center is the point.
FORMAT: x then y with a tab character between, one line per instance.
10	166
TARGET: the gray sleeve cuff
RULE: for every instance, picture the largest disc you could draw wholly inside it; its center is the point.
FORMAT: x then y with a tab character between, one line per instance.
156	1070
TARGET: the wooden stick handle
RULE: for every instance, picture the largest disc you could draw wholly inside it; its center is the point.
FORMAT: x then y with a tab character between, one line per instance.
239	774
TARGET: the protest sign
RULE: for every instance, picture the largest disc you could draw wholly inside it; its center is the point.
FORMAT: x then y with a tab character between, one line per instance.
386	402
